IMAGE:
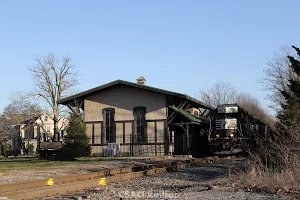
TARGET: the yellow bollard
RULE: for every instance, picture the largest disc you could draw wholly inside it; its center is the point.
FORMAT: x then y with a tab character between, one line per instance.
50	182
102	181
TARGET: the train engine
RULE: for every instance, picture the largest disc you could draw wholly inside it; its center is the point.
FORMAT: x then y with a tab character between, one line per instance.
227	130
234	129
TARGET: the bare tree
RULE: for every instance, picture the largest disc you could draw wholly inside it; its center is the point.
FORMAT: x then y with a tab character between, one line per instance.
276	156
5	131
20	110
277	75
224	93
22	114
254	108
251	105
219	93
53	79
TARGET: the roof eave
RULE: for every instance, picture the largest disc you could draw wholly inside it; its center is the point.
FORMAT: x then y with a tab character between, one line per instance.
80	96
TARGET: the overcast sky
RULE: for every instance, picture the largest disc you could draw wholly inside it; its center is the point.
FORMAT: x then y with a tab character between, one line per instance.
183	46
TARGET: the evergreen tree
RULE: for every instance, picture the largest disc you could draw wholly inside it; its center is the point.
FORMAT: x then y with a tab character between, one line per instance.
76	142
289	116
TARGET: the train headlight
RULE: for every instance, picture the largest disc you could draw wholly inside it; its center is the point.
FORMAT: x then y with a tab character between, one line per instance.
231	135
217	135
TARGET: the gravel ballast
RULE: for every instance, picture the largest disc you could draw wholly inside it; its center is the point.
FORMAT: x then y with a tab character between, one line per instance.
205	182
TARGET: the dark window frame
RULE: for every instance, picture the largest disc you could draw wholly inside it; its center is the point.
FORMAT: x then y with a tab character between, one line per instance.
109	125
93	133
140	124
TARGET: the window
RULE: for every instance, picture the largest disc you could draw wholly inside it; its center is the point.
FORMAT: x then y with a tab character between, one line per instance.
47	128
251	127
46	118
109	124
140	124
62	133
196	113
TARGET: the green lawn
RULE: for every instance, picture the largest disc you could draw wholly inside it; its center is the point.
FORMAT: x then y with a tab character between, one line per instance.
34	163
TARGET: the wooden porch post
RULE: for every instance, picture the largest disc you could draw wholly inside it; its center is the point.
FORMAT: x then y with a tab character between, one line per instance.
188	139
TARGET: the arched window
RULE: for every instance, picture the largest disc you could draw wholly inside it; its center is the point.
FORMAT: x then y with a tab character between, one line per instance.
46	118
109	124
196	113
140	124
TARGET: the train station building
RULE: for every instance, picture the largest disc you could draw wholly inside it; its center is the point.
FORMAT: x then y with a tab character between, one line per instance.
143	120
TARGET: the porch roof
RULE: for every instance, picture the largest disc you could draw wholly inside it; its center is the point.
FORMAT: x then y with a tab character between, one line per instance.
189	116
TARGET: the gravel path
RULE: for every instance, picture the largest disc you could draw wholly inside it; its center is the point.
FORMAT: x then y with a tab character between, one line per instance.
227	195
206	182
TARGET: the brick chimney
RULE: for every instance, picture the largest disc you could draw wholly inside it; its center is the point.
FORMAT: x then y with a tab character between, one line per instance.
141	80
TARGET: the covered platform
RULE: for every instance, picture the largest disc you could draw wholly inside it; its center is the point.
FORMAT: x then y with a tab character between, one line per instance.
190	133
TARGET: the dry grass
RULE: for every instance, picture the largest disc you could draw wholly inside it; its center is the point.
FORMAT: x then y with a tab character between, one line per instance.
258	178
274	164
287	181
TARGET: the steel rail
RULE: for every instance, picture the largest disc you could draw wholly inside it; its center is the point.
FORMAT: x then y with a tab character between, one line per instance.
62	180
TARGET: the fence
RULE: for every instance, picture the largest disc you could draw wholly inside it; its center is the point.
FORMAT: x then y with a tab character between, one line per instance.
129	146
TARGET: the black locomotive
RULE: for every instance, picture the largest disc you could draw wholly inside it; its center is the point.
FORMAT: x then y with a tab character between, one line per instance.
234	129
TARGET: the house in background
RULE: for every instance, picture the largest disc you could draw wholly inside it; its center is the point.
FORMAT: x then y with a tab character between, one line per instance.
143	120
39	129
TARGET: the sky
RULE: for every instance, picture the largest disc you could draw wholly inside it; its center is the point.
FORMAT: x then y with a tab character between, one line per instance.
183	46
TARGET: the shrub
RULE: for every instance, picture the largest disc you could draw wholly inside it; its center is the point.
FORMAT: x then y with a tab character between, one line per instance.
30	148
6	150
76	142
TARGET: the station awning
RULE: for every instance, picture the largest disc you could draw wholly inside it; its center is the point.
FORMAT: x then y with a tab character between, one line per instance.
189	116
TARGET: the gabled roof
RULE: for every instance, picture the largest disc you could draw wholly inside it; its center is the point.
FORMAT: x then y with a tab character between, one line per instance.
29	121
82	95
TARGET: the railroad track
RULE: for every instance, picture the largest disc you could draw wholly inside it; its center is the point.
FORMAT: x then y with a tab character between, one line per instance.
71	184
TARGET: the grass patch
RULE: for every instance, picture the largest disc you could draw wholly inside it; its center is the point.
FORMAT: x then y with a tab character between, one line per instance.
34	163
23	164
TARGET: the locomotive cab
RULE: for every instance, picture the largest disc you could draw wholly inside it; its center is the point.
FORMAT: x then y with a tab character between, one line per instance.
226	122
224	137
